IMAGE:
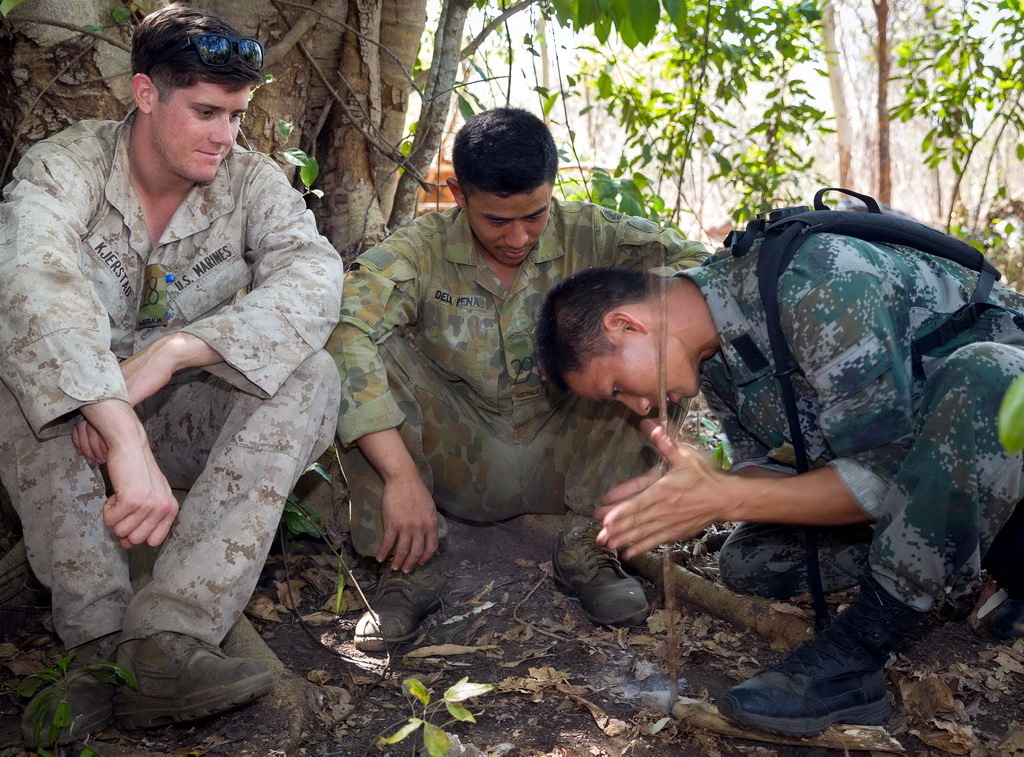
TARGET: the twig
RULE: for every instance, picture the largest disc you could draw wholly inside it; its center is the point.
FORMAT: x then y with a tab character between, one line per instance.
497	21
71	27
298	29
515	614
386	150
389	52
28	111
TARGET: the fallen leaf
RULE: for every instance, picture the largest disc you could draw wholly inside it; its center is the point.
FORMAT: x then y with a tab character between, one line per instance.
289	593
926	697
954	738
318	677
262	608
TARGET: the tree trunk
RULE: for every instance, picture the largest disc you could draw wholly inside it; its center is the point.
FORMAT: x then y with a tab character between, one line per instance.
346	94
844	131
882	53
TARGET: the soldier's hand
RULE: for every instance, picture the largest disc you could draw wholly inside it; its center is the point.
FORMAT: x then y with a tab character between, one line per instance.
142	507
658	509
410	523
89	442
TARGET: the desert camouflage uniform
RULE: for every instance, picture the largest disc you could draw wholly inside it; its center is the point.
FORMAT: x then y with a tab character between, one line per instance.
920	453
431	342
74	252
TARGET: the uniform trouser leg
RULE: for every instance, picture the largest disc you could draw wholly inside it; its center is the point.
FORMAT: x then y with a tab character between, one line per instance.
239	455
957	486
481	467
952	494
59	499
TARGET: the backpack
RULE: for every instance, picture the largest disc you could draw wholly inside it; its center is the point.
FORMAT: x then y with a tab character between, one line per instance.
781	235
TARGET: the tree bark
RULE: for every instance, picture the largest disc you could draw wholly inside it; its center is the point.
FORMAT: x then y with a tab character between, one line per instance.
438	94
884	65
844	131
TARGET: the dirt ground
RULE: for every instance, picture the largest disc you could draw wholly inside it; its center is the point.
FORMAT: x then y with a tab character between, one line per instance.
561	687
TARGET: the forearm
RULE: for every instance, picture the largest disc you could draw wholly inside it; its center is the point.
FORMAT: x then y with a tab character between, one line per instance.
816	498
117	423
388	454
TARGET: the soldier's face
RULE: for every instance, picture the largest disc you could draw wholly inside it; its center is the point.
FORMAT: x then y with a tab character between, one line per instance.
629	373
192	131
505	228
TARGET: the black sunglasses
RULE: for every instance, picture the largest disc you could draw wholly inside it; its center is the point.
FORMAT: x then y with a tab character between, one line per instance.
216	50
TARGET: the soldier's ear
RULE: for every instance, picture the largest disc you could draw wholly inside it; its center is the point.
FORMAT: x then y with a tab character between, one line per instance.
145	93
623	321
456	190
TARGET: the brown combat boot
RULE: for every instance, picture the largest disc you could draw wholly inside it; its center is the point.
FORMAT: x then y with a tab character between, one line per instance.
398	606
181	678
609	596
90	699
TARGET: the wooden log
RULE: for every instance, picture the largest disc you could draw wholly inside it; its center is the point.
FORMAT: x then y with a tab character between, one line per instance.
755	613
847	738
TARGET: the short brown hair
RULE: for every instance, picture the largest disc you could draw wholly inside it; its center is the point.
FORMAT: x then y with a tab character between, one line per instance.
170	26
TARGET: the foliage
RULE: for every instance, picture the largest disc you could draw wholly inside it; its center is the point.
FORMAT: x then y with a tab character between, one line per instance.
8	5
714	62
965	77
59	678
1011	417
435	739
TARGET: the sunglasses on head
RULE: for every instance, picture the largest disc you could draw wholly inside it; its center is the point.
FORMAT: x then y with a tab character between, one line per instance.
216	50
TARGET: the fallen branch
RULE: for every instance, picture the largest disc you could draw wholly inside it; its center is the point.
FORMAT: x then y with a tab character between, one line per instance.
755	613
849	738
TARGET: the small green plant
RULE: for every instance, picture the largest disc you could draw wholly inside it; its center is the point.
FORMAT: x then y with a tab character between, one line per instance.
309	168
59	678
1011	417
435	739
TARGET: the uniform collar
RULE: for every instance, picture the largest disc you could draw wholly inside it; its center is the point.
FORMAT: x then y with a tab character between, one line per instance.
204	203
743	338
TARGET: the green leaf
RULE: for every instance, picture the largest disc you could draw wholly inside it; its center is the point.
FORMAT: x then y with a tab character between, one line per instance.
644	15
285	129
309	171
402	732
414	687
295	156
62	715
8	5
459	712
121	14
435	740
1011	417
464	690
339	591
465	108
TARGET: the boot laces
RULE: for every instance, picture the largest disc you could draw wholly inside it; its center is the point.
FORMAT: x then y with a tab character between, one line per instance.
592	555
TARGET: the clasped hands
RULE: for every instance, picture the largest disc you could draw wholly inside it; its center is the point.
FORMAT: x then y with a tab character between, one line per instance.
660	508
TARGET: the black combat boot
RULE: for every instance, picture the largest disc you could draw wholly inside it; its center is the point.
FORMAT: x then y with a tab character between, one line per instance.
1003	561
834	678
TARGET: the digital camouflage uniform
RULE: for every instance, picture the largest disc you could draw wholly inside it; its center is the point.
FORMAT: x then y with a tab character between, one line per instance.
253	279
920	454
431	342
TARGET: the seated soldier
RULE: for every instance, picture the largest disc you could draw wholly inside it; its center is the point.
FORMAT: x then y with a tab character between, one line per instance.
912	486
129	357
444	406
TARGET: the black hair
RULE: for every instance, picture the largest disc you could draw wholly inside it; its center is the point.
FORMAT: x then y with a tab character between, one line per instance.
169	26
569	333
504	151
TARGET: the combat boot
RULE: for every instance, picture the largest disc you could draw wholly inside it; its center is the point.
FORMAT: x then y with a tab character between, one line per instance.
609	596
836	677
180	678
90	700
399	605
1007	620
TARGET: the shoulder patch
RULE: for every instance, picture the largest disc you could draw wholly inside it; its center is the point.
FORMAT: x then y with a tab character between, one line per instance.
642	223
379	257
611	215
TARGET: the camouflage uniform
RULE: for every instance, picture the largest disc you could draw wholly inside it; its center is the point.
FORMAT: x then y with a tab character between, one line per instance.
431	342
74	253
919	452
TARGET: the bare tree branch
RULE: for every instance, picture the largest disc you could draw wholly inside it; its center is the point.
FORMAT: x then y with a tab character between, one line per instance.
71	27
497	21
390	54
303	24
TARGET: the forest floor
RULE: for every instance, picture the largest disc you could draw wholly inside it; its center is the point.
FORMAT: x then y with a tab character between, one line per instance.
561	687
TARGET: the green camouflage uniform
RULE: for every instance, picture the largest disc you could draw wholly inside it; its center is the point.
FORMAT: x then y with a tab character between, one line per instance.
431	342
920	454
253	279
